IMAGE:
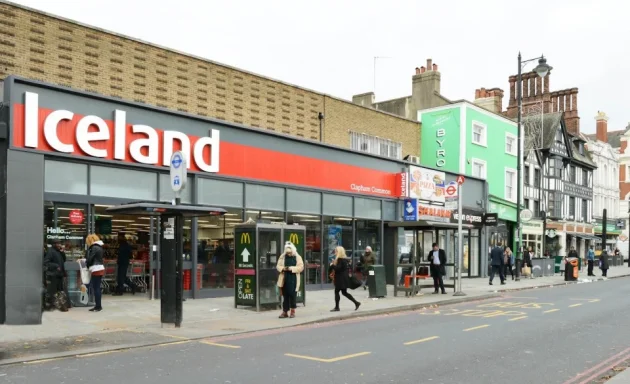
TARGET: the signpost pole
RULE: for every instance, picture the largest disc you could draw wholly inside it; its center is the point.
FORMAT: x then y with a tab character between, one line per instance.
460	238
179	175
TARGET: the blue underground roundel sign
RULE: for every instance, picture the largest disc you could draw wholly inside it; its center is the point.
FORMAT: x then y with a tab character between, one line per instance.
177	161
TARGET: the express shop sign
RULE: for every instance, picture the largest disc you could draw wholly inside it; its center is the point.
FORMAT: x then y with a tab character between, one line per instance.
64	131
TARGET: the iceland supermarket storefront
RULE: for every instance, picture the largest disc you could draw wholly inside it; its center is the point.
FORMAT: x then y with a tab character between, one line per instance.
68	155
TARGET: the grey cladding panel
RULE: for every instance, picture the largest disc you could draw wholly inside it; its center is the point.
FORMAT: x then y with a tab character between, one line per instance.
219	193
263	197
304	202
24	237
337	205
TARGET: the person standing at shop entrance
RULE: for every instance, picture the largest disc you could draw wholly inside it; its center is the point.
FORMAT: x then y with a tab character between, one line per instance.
94	263
54	271
367	261
290	266
124	258
496	257
437	258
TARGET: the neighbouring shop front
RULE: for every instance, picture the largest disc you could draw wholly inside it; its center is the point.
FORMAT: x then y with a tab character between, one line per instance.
430	216
614	229
71	155
503	232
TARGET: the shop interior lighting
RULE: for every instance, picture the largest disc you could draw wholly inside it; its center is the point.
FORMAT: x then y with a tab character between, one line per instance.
310	221
306	216
233	220
272	218
342	219
68	209
123	221
232	214
261	212
103	206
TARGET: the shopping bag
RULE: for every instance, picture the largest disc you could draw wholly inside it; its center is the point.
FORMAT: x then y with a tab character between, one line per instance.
85	273
355	282
527	271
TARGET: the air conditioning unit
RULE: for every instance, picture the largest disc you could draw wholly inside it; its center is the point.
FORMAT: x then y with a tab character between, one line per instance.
413	159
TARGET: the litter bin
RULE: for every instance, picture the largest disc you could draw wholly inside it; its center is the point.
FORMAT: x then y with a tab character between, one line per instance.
571	270
557	264
376	281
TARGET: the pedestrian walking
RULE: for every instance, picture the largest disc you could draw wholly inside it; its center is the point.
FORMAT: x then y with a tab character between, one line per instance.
94	263
437	268
54	272
367	261
290	266
124	258
527	260
590	259
339	272
603	263
508	259
496	258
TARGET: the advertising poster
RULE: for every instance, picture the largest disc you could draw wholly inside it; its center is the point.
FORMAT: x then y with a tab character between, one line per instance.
334	240
410	211
426	184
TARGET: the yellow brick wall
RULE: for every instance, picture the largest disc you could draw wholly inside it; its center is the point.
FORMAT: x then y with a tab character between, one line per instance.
41	47
342	117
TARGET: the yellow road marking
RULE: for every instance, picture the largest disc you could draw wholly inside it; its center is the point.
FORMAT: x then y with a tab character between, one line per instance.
474	328
333	360
220	345
421	340
47	360
593	301
518	318
551	310
172	343
589	300
574	305
176	337
98	353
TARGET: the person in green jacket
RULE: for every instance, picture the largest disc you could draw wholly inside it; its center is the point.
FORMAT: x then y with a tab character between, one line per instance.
367	260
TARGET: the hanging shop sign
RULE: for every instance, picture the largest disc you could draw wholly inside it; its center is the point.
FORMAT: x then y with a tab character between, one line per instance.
491	219
468	217
410	210
426	184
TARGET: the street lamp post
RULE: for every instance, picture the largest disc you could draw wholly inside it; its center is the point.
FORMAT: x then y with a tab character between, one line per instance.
542	69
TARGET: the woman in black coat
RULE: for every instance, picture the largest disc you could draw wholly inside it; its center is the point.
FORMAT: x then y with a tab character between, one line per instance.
340	272
603	263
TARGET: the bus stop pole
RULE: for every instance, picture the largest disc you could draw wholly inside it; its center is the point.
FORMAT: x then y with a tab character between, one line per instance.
460	239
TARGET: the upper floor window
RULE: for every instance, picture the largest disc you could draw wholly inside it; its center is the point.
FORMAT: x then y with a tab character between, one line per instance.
479	168
585	209
585	177
510	184
572	207
526	175
537	179
375	145
479	133
572	174
559	135
510	144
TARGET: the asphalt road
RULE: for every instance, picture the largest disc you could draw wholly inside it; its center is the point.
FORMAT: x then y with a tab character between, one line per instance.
541	336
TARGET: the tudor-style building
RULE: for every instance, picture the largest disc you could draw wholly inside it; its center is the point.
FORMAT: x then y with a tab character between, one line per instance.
557	186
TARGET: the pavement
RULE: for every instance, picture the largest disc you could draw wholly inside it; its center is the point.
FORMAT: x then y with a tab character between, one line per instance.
133	321
574	334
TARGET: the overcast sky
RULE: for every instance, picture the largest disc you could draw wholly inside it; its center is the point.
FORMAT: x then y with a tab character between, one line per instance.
329	46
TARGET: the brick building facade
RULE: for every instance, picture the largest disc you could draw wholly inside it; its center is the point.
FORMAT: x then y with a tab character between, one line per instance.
44	47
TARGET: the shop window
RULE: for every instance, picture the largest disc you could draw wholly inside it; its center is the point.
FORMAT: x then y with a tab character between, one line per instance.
473	254
167	194
258	215
368	233
304	201
215	249
67	223
65	177
337	205
338	232
264	197
123	183
389	211
313	245
367	208
219	193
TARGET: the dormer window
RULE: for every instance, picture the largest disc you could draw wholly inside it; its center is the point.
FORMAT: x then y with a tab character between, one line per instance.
559	136
581	147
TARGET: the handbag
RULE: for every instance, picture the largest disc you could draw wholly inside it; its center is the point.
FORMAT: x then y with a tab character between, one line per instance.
527	271
354	282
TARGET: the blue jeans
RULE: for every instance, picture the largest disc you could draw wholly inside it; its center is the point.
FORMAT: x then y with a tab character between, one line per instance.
95	283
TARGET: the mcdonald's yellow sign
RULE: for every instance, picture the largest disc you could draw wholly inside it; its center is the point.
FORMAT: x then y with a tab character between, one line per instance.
245	238
294	238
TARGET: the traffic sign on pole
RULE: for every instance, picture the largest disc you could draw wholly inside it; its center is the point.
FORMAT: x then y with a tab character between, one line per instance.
179	174
460	239
460	179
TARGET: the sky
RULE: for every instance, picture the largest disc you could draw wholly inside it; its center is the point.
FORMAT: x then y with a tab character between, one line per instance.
329	45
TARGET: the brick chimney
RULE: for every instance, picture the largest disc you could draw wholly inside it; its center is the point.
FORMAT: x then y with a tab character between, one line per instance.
490	99
425	83
602	126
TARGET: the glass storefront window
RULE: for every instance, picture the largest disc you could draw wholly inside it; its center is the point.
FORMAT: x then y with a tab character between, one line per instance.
313	246
368	234
67	223
215	249
264	216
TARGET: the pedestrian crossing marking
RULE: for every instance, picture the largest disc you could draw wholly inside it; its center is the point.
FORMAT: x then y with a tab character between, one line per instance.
518	318
421	340
552	310
574	305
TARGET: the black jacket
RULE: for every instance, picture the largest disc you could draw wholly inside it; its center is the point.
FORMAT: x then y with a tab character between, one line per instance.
437	270
94	255
496	257
342	280
53	263
603	260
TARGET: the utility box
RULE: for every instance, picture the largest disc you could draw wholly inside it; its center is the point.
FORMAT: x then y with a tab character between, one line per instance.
376	281
256	252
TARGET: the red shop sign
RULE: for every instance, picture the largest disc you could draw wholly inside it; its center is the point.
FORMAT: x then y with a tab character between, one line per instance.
75	216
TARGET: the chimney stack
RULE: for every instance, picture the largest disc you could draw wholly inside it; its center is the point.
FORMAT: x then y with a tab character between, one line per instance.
490	99
602	126
424	86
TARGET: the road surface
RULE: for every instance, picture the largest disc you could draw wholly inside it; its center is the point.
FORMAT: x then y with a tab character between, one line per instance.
534	336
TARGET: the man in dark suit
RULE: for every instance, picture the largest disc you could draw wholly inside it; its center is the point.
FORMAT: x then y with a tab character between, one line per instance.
497	262
437	258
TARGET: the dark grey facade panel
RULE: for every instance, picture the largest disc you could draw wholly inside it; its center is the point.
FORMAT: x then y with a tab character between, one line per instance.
389	211
367	208
167	194
337	205
264	197
220	193
81	103
65	177
473	195
304	202
24	238
123	183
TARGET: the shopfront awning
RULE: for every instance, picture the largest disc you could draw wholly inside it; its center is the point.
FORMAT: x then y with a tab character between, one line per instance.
584	236
158	209
427	223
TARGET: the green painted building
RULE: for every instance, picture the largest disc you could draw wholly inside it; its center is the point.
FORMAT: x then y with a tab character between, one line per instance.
466	139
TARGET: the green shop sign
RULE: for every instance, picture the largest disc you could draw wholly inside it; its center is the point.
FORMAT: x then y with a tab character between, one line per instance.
440	139
505	212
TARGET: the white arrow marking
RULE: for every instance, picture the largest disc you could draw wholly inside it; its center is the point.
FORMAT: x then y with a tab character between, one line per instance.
245	255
